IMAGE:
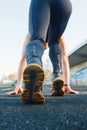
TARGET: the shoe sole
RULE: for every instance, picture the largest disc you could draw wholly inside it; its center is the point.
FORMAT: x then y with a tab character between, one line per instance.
33	76
58	85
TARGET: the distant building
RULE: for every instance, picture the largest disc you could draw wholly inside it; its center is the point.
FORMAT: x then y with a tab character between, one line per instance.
78	63
2	77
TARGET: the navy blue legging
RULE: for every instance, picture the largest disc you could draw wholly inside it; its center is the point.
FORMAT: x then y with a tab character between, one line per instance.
47	21
52	14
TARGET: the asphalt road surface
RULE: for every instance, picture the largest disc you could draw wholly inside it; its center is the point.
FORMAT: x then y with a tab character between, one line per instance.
68	112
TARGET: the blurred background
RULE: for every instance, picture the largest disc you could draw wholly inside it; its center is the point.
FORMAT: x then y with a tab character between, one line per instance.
13	29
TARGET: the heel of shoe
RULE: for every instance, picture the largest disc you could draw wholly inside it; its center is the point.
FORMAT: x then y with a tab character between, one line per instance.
58	85
33	78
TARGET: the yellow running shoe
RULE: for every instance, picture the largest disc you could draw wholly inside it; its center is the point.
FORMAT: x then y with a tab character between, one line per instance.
58	87
33	78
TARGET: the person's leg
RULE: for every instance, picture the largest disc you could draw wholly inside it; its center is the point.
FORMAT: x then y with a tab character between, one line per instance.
39	16
60	13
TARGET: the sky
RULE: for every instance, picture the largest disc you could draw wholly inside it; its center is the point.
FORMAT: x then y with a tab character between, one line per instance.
14	26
